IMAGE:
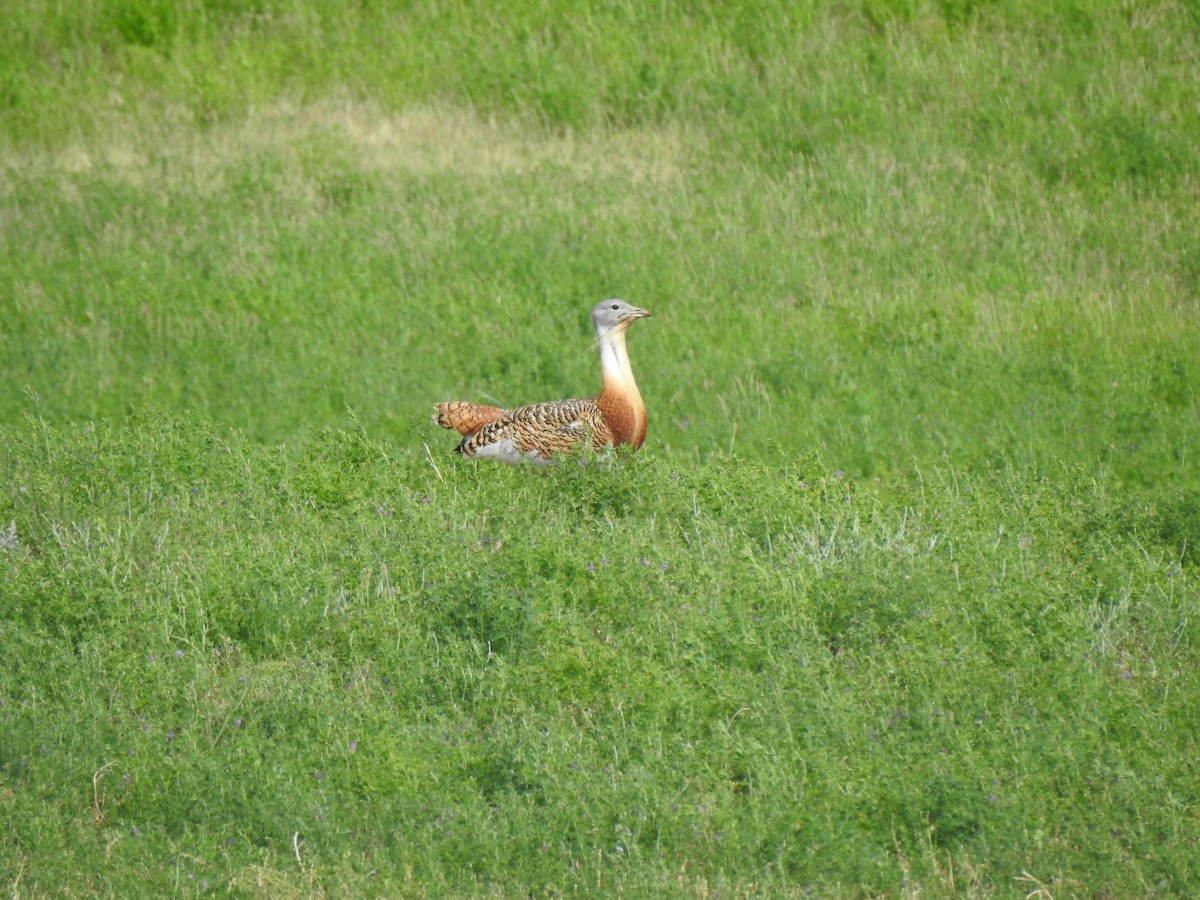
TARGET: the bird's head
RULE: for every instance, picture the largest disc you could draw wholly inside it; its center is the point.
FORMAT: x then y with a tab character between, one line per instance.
615	315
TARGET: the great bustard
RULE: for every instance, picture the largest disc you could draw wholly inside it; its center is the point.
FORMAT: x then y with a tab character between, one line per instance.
537	431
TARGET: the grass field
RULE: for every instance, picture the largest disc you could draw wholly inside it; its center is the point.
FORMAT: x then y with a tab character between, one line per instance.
901	597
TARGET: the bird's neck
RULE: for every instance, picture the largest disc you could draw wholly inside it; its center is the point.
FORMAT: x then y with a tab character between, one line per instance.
619	399
615	371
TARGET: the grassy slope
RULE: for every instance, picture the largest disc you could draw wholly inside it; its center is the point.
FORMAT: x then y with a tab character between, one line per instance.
950	247
904	237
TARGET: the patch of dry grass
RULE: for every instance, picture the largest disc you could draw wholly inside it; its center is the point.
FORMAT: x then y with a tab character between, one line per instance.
422	140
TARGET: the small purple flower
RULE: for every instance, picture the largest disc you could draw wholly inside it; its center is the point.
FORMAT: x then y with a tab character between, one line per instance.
179	654
590	567
354	746
662	566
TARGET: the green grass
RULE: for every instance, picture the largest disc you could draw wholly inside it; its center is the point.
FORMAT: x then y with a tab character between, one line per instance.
899	598
755	677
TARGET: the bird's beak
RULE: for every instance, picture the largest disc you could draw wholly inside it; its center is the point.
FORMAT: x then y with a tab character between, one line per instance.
636	313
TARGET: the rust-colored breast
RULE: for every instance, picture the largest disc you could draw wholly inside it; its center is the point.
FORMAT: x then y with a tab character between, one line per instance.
625	418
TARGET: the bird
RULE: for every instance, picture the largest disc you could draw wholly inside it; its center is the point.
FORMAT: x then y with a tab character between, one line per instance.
538	431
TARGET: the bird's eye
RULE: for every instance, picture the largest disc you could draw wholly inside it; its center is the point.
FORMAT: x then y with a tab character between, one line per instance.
614	306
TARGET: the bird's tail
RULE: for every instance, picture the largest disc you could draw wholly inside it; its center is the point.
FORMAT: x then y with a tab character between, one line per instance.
466	417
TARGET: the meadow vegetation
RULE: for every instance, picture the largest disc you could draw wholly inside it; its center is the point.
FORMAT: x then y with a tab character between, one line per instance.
901	597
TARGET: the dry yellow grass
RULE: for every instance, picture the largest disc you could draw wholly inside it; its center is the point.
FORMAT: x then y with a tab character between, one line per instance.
422	140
